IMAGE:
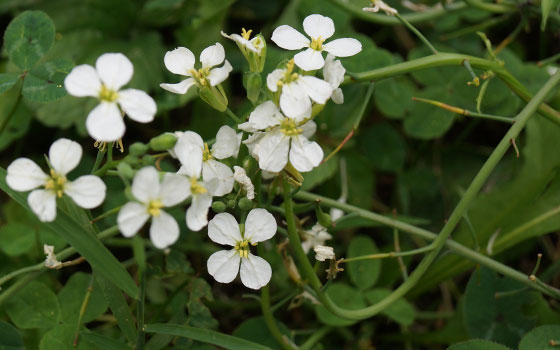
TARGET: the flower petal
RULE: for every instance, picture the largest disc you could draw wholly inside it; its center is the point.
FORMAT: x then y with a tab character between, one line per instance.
288	38
343	47
223	265
83	81
333	71
179	61
65	155
114	69
226	143
255	272
218	75
23	174
87	191
305	154
264	116
197	214
43	204
241	41
309	129
295	102
259	226
105	123
224	229
252	141
145	185
138	105
174	189
272	79
272	151
212	55
337	96
318	90
212	169
189	148
179	88
164	230
131	218
317	26
309	59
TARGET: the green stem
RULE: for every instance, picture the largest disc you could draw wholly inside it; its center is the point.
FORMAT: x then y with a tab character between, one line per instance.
549	60
416	32
315	338
490	7
270	321
109	163
477	27
98	160
83	309
464	112
232	115
389	254
140	311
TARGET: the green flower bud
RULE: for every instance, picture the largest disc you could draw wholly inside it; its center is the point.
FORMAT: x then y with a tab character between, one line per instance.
214	96
245	203
138	149
163	142
323	218
231	203
219	207
148	160
125	170
253	82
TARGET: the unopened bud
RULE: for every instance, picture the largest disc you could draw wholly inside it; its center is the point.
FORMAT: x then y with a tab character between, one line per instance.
138	148
148	160
253	83
245	203
231	203
219	207
125	170
163	142
323	218
214	96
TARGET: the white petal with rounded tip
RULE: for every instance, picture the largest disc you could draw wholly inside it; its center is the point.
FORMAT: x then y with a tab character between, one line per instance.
212	55
65	155
272	79
179	88
145	185
179	61
239	40
305	154
114	69
138	105
318	90
43	204
309	60
288	38
223	265
272	151
295	102
131	218
264	116
105	123
337	96
259	226
87	191
343	47
255	272
212	169
197	214
23	174
309	129
174	189
218	75
164	230
189	149
83	81
224	229
252	141
318	26
226	143
333	71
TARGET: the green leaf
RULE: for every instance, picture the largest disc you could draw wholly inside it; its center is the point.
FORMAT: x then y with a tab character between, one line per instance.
102	342
320	174
363	273
344	296
16	238
401	311
28	37
15	117
393	97
478	345
62	338
72	295
35	306
119	307
546	6
426	121
89	246
10	339
540	337
384	146
255	329
45	83
204	335
7	81
199	314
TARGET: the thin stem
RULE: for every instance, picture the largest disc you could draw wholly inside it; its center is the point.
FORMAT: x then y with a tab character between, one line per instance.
106	214
270	321
464	112
109	163
476	28
549	60
140	311
232	115
397	243
315	338
98	160
389	254
416	32
83	308
490	7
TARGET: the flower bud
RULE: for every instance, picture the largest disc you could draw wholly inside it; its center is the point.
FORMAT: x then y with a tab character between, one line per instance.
323	218
163	142
214	96
245	204
219	207
253	82
231	203
125	170
138	148
148	160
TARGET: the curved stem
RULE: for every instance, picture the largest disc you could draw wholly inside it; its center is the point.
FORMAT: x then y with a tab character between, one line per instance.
316	337
389	254
416	32
490	7
270	321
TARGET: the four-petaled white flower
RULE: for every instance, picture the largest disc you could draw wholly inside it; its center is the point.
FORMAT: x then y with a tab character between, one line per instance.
255	45
333	71
298	91
319	28
112	71
181	61
284	140
189	149
315	237
153	195
224	264
323	253
23	174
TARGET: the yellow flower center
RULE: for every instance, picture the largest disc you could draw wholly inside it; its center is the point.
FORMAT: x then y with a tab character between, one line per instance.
197	188
206	154
242	248
289	75
290	128
246	34
317	44
154	207
56	183
200	75
107	94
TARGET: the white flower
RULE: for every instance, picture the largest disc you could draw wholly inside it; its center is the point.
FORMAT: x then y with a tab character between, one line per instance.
224	264
284	140
23	174
298	91
241	176
153	195
317	236
181	61
319	28
334	75
255	45
190	152
323	253
112	71
51	262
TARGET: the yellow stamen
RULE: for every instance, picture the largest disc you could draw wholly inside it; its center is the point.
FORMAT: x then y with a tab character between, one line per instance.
290	128
107	94
317	44
246	34
154	207
200	75
242	248
206	154
197	188
56	183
